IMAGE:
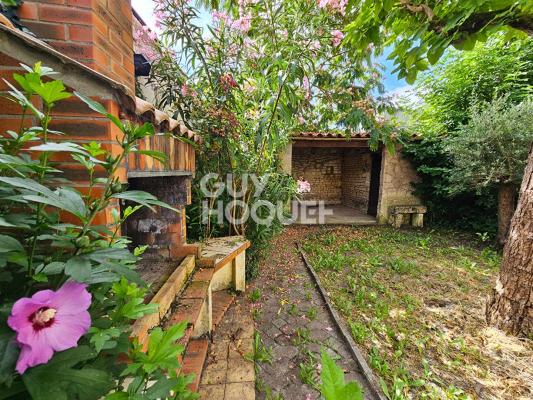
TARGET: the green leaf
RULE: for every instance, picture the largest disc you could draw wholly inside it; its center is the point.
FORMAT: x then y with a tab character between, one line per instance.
53	268
156	155
144	198
24	101
9	352
95	106
9	244
333	386
78	268
161	388
435	52
58	147
60	380
51	92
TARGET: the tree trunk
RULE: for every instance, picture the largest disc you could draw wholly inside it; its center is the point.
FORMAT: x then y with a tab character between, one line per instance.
510	306
506	206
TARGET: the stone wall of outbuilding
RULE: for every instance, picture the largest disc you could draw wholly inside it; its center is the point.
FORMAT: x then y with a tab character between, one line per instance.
356	168
322	168
397	176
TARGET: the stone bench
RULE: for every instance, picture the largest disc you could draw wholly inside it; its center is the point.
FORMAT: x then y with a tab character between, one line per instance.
414	215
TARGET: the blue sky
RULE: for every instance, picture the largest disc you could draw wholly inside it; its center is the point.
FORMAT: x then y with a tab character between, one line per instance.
392	84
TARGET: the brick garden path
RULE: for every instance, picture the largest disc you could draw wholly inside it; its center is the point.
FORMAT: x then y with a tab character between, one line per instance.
293	321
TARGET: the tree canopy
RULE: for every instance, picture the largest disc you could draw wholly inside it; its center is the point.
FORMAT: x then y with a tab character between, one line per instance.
420	32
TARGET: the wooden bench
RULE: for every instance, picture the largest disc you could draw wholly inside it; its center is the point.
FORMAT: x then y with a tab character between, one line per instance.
413	215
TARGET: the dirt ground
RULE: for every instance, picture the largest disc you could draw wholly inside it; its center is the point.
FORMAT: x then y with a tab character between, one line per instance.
293	325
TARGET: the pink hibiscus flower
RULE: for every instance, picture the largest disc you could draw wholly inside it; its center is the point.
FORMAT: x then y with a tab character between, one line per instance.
50	321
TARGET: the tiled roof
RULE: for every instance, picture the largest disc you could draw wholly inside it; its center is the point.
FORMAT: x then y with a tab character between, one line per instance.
147	112
331	135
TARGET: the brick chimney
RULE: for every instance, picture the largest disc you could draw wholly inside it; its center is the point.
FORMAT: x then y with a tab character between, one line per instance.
97	33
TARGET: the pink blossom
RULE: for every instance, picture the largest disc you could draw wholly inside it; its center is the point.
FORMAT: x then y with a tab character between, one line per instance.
49	321
303	186
184	90
221	16
337	37
307	87
243	24
334	5
315	45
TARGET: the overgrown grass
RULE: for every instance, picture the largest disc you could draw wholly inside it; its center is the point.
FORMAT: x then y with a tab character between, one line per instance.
414	302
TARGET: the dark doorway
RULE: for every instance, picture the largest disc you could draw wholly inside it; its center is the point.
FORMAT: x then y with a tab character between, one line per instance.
375	177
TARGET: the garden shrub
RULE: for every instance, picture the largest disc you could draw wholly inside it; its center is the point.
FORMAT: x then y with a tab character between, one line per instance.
69	290
496	68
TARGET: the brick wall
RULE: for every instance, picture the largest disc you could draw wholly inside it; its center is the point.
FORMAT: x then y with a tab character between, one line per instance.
322	167
72	117
97	33
356	169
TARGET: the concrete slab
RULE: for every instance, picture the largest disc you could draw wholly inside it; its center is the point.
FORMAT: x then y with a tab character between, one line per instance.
337	215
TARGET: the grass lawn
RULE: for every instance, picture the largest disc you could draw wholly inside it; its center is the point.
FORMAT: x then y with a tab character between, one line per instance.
414	302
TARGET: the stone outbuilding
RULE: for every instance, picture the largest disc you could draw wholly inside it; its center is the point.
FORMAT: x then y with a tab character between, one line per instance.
357	184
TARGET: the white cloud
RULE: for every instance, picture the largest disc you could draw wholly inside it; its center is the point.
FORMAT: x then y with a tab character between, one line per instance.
406	94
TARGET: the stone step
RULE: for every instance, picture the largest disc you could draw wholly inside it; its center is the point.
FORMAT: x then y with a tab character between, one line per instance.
194	360
221	302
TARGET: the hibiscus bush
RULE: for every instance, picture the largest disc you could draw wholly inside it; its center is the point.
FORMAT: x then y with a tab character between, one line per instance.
68	288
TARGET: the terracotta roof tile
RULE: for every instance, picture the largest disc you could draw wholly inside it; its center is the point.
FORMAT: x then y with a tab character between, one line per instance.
332	135
147	112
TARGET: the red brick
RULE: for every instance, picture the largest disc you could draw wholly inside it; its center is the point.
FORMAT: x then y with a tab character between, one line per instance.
196	290
194	359
221	302
81	128
49	1
102	59
122	75
81	3
8	76
6	60
80	33
10	123
100	25
77	51
187	310
28	11
108	47
58	13
8	107
102	12
45	30
123	43
204	274
123	15
75	107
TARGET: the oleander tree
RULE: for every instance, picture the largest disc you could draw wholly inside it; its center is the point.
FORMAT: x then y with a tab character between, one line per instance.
257	73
